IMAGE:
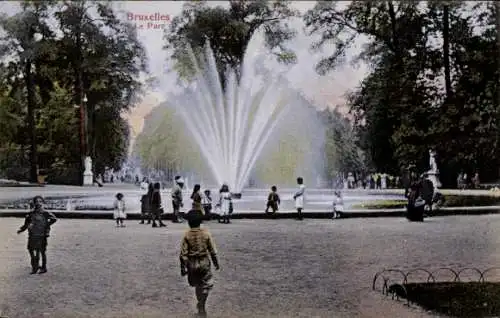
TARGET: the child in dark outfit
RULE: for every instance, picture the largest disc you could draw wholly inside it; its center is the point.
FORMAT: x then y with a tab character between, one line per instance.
38	223
197	248
273	201
207	204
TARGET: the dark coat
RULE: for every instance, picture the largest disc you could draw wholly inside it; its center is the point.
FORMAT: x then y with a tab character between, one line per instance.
427	191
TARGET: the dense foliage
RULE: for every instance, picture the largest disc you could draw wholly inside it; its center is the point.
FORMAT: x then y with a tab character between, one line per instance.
54	55
433	82
229	31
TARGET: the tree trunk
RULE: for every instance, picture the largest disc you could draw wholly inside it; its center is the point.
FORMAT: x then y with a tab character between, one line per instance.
497	19
79	101
393	21
446	50
497	15
30	87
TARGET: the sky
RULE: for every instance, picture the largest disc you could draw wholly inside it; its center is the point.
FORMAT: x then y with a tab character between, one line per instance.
325	91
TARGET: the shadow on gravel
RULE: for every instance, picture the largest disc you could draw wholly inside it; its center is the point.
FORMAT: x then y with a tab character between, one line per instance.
457	299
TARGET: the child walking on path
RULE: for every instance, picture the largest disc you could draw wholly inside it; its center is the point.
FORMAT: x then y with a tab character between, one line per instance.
197	248
273	201
38	223
119	213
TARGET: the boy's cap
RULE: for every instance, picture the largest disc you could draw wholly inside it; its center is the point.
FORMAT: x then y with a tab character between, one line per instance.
180	180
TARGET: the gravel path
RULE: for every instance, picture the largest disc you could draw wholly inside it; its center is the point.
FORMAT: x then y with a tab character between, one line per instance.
270	268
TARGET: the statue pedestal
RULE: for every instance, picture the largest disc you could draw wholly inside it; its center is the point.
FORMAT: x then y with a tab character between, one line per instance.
88	176
433	176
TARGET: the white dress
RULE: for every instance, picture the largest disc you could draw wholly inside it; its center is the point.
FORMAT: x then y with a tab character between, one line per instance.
119	209
383	182
338	204
299	197
225	202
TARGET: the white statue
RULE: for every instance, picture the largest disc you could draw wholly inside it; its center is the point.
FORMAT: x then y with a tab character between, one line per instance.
88	164
433	173
432	161
88	176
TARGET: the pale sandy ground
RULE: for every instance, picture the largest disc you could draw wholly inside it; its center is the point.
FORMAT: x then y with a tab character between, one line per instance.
271	268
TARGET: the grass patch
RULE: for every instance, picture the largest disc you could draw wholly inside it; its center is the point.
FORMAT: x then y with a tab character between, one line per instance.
381	204
450	201
470	200
457	299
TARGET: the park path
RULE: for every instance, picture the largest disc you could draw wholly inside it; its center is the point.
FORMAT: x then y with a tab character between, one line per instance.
271	268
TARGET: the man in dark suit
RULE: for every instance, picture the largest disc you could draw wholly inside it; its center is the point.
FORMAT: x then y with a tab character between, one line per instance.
427	193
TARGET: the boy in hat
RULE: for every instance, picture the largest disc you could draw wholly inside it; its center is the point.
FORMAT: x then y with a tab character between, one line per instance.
197	248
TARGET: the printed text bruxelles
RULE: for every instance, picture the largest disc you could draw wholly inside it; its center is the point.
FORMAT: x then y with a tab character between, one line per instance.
149	21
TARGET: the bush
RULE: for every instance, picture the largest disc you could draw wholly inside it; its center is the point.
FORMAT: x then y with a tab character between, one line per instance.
65	176
456	299
14	164
449	201
470	200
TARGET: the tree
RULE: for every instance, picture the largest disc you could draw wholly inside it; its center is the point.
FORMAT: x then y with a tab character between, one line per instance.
395	52
341	149
399	108
20	42
105	65
292	150
229	31
163	145
95	54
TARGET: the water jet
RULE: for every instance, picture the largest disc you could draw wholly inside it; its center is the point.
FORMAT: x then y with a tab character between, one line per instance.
232	123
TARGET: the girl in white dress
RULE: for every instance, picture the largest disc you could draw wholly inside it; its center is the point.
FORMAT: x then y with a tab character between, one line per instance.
119	212
338	204
225	204
299	197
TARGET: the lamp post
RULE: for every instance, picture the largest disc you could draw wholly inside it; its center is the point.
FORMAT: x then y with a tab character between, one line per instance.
88	176
31	53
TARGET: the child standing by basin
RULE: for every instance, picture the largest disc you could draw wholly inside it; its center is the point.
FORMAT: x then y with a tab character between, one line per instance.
119	213
298	197
273	201
206	201
338	204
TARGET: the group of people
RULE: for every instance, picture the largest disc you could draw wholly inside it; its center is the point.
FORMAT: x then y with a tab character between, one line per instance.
197	251
151	205
464	181
274	200
152	209
422	196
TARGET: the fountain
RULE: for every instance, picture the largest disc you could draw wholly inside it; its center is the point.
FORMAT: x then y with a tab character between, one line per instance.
232	126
